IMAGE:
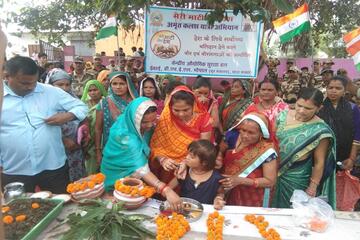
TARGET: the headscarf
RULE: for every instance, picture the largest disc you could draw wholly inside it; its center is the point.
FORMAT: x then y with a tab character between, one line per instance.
57	74
127	149
263	124
157	89
85	97
103	75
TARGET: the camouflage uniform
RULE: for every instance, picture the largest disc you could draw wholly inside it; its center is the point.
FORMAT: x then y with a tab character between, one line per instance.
291	87
79	82
272	64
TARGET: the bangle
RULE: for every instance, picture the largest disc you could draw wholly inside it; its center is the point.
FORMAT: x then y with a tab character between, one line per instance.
161	160
156	184
163	188
314	182
255	183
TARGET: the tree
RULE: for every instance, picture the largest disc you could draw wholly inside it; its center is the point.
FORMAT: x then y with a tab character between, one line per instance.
330	19
61	16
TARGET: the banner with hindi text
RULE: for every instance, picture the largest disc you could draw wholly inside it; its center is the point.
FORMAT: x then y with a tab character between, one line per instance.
180	42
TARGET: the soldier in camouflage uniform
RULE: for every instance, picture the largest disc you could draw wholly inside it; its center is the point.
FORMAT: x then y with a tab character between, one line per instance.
326	74
272	64
305	77
315	76
80	77
292	86
289	63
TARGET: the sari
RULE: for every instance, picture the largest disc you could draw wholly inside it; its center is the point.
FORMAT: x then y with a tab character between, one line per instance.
297	141
172	137
231	110
91	164
248	163
127	150
112	105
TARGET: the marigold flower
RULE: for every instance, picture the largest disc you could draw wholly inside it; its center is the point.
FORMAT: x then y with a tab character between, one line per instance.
20	218
8	219
35	205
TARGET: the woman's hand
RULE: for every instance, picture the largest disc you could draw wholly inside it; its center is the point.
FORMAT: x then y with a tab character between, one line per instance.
230	182
219	203
311	190
169	165
180	172
70	145
173	199
347	164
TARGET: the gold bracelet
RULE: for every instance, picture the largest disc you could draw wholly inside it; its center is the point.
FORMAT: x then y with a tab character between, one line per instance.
313	181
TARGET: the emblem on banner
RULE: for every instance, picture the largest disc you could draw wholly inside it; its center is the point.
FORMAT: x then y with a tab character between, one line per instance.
156	18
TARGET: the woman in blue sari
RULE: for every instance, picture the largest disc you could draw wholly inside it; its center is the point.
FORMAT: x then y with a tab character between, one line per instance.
307	152
127	150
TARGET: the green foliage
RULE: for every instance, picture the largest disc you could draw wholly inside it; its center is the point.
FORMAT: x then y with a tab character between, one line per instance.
102	223
330	19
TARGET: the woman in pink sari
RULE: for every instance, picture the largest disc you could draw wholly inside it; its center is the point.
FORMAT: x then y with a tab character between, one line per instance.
269	103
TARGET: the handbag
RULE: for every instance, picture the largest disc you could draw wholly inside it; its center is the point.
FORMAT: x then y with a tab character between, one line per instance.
347	191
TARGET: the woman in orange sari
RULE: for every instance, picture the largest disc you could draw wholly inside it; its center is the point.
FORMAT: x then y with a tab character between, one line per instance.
251	166
180	123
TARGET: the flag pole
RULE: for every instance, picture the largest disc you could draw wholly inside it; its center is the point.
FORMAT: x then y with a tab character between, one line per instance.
117	44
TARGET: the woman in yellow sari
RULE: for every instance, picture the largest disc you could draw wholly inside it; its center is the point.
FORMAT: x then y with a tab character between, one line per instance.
180	123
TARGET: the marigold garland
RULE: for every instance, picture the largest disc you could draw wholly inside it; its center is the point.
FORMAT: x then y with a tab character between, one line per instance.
262	225
215	226
134	191
86	184
8	219
171	228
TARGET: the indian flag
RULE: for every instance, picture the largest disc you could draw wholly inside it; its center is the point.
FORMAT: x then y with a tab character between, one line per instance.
293	24
352	41
108	30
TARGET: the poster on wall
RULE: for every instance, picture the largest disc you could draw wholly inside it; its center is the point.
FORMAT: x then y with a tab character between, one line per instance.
180	42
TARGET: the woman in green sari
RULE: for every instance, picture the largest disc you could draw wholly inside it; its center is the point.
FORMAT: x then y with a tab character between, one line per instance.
307	152
127	151
94	91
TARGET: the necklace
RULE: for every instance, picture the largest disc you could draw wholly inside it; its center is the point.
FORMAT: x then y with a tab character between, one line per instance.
266	108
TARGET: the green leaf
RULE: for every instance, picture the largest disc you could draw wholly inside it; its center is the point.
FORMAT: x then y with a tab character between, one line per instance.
283	5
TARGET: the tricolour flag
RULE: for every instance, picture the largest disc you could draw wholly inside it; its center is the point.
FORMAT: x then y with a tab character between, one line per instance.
293	24
109	29
352	41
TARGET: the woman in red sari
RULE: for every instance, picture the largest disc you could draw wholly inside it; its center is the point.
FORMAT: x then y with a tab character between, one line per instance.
180	123
251	166
208	103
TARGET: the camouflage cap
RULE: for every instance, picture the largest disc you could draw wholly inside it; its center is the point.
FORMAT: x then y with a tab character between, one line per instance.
329	61
294	69
326	69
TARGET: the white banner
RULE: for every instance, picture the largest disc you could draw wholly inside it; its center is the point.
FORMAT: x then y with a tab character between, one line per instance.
180	42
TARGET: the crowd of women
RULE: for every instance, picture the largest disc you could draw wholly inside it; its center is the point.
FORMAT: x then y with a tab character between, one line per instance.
234	149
